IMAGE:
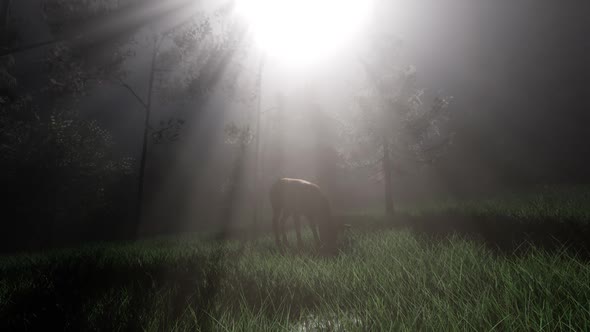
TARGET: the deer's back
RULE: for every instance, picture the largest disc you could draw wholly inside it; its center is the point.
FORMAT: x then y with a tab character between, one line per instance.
297	195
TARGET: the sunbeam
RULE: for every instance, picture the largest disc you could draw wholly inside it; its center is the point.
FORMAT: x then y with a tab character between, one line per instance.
304	31
270	165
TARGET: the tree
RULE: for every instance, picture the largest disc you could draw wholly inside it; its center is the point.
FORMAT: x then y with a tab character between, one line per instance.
397	129
239	136
59	171
63	166
186	63
51	156
193	81
8	37
39	123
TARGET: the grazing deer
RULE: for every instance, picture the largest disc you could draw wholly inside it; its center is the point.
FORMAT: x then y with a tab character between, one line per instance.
296	198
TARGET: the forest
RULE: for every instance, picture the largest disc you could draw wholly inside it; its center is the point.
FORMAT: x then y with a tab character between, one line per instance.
237	165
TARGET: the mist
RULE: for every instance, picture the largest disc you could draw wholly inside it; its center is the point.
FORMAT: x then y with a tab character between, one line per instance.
517	112
165	155
517	73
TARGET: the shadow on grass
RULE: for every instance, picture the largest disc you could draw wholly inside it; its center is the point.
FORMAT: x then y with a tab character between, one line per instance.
83	292
76	293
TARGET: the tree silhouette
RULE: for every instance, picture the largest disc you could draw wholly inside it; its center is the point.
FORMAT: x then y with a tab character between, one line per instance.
186	62
393	124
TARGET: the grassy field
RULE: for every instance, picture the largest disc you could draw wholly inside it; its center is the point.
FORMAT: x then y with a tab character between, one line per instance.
400	277
541	203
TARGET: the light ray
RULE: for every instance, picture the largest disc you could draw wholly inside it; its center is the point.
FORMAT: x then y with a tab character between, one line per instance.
303	31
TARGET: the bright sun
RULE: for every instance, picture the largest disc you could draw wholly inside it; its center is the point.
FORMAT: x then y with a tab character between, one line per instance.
303	31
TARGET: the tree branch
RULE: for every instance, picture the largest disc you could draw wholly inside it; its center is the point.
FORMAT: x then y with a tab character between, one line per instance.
110	25
137	97
27	47
442	144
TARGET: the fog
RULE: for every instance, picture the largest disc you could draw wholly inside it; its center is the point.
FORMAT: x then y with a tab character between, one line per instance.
520	89
518	73
266	165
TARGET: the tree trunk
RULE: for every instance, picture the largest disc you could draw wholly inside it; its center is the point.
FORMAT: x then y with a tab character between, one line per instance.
144	149
257	180
389	209
4	13
231	200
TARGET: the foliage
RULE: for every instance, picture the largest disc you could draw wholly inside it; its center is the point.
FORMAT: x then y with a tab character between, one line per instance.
60	172
99	35
63	14
391	108
9	36
65	166
90	43
168	131
59	169
185	61
205	54
67	74
7	80
238	135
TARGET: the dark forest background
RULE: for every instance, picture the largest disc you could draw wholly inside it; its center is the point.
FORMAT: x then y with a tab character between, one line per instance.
73	82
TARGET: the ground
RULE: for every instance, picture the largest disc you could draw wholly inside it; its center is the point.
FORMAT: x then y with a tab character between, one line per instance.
449	267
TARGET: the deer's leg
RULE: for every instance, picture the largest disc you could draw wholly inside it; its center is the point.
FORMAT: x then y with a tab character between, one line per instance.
276	219
282	230
314	230
297	219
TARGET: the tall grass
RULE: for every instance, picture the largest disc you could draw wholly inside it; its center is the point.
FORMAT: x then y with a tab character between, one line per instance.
381	280
556	203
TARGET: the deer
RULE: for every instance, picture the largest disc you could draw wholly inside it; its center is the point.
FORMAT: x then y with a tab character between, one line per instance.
297	198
